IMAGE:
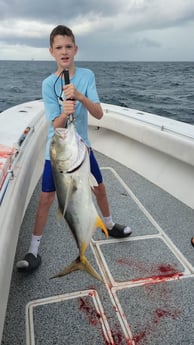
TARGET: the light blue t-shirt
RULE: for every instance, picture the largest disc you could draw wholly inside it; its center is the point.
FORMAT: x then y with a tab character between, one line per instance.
84	82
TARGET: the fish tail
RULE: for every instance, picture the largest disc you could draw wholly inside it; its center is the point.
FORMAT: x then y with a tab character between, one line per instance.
100	224
86	266
79	264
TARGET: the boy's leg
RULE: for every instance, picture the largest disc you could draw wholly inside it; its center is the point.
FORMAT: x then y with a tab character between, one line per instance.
114	230
45	202
32	259
102	199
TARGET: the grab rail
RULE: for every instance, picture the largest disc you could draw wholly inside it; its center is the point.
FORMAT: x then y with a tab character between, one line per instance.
10	172
163	127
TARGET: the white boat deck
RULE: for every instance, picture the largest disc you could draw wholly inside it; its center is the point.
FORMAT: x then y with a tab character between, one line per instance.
147	294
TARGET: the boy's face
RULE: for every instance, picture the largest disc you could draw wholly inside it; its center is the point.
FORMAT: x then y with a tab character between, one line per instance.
63	50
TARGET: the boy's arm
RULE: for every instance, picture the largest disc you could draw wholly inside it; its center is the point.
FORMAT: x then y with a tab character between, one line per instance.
94	109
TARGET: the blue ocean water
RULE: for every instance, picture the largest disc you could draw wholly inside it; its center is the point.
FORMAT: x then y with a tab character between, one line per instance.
162	88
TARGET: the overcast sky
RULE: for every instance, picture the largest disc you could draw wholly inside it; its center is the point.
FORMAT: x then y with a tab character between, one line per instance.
130	30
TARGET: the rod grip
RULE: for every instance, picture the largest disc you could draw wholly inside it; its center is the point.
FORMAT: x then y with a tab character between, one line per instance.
66	76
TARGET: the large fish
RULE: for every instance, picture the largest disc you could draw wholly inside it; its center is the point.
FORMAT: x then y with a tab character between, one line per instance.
73	180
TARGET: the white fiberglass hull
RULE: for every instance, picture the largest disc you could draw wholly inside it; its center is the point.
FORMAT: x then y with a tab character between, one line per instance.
157	148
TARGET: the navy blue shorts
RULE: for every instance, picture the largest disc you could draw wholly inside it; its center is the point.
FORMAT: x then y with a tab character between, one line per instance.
48	184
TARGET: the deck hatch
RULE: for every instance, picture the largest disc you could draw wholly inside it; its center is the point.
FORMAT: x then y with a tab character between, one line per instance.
83	316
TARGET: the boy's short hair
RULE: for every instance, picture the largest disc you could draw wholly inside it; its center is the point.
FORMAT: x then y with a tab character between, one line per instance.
63	31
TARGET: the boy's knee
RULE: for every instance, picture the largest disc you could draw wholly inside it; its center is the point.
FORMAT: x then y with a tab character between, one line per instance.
47	198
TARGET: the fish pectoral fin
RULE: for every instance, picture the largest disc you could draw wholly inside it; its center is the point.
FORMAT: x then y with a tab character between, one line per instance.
79	264
100	224
59	216
92	181
70	190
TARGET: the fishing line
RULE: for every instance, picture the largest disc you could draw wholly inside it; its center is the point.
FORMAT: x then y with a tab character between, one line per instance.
65	74
59	96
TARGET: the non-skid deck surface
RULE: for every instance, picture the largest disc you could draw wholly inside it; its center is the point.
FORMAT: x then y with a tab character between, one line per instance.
147	297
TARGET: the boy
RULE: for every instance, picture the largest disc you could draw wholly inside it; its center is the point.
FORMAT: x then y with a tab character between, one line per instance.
60	100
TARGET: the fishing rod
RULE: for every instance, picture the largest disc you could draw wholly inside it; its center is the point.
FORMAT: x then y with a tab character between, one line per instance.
67	81
66	76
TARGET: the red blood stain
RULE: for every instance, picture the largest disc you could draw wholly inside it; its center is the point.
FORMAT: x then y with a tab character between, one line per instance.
137	338
115	308
158	314
165	272
91	313
161	271
157	279
93	317
163	291
166	269
92	293
132	263
118	336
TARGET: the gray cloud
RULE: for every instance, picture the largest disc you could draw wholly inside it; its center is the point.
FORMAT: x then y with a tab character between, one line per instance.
57	11
104	29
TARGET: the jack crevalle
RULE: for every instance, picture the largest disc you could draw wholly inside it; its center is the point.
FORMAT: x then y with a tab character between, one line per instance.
73	181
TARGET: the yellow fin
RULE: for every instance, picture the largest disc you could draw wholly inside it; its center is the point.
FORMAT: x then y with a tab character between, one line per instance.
79	264
72	186
100	224
82	250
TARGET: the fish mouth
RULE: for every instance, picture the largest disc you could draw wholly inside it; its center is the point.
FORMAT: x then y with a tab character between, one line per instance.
61	132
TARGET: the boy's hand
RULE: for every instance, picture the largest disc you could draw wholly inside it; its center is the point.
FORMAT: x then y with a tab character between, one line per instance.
71	92
68	107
